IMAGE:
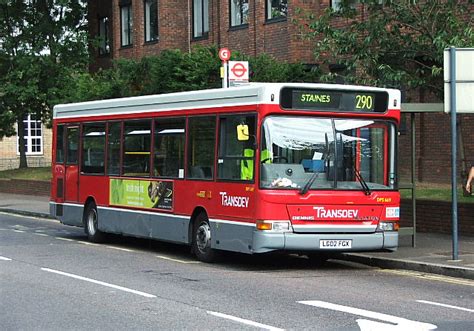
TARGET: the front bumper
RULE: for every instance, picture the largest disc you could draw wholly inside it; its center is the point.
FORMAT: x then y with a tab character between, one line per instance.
267	241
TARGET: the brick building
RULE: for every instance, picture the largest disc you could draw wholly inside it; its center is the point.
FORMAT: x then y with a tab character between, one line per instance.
136	28
38	141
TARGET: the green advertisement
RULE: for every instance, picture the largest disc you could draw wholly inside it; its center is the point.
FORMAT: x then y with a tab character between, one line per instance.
151	194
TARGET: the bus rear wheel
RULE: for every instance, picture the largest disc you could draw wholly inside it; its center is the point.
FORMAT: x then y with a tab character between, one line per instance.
201	244
91	221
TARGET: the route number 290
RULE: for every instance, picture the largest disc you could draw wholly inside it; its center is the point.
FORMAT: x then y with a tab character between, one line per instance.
364	102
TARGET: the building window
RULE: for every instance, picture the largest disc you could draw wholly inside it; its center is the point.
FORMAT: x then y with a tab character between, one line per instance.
33	134
151	20
239	12
200	18
126	23
276	9
104	40
338	4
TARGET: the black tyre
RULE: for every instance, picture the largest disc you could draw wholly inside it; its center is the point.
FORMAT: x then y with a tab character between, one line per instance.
91	227
201	244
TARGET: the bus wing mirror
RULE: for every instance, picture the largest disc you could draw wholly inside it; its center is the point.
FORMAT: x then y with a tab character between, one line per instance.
242	132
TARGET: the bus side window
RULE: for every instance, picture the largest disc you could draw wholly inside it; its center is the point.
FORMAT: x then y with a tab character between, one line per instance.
113	149
72	144
60	144
136	148
236	156
169	147
201	147
93	148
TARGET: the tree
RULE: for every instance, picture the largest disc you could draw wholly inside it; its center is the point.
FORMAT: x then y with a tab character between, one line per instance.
176	71
397	44
41	43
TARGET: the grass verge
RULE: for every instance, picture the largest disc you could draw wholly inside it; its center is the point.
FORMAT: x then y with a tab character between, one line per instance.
43	173
436	192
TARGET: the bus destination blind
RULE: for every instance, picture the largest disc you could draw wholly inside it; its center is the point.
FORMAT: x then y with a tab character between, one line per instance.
334	100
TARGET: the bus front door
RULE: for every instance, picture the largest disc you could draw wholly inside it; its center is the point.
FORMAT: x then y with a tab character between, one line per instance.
71	173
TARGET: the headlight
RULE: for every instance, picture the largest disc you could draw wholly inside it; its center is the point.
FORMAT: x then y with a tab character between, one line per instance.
388	226
276	226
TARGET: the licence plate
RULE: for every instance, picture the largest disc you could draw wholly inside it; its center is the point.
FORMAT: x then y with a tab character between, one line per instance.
335	244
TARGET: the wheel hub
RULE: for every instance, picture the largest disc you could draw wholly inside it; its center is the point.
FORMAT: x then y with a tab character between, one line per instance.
203	237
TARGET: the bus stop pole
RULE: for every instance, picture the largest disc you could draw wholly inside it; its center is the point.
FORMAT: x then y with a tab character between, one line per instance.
452	100
413	178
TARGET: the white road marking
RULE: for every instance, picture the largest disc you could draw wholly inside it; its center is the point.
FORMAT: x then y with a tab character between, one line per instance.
398	323
445	305
176	260
65	239
87	243
121	249
244	321
98	282
41	234
2	258
19	231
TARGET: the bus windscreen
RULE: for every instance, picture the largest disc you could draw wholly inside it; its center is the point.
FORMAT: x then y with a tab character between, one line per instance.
333	100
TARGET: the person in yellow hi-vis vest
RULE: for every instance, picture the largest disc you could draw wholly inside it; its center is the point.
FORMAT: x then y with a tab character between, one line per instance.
246	166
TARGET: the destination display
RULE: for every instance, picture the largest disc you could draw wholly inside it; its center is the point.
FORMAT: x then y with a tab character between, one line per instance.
333	100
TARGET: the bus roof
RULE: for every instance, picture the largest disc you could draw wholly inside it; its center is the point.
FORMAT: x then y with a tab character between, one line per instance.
248	94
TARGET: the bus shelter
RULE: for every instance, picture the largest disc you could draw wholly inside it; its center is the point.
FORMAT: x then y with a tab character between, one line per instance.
413	109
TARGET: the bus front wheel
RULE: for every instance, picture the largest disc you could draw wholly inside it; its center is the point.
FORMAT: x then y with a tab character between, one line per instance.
202	240
91	220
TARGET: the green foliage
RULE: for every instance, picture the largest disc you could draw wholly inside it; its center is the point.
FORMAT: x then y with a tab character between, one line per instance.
398	44
176	71
265	68
42	42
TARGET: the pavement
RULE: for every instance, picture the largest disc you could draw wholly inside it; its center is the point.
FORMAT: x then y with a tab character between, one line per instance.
433	253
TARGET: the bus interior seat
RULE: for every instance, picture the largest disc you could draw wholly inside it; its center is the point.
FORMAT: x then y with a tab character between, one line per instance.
200	172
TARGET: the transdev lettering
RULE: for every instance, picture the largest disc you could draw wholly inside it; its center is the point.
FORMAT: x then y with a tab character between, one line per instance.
234	201
322	212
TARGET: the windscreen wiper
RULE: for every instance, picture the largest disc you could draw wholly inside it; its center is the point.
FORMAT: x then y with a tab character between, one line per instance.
309	183
362	182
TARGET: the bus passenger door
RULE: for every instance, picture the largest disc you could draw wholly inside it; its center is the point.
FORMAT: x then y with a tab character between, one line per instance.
71	172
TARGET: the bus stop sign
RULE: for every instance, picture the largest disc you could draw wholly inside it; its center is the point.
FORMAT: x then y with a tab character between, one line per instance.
224	54
239	71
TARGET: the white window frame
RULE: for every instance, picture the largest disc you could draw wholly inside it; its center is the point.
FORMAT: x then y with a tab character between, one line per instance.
239	13
200	18
147	5
126	25
29	137
269	15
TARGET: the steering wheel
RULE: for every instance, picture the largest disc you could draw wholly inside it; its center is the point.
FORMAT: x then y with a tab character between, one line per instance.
276	157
